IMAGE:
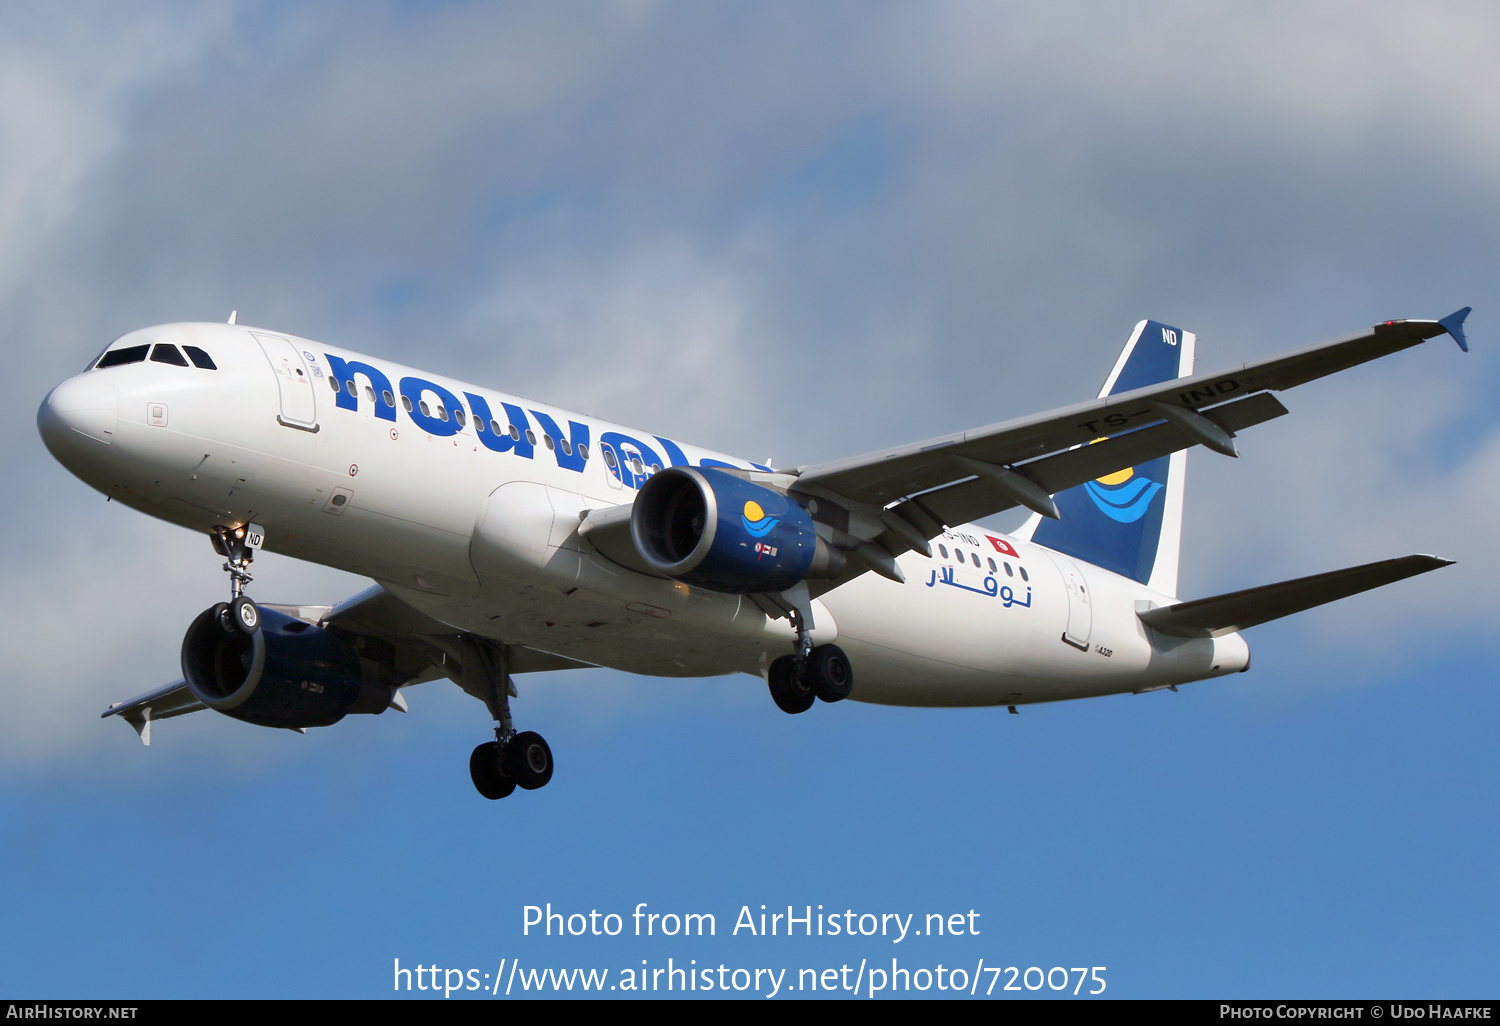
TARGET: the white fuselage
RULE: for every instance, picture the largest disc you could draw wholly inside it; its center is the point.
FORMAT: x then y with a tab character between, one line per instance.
485	536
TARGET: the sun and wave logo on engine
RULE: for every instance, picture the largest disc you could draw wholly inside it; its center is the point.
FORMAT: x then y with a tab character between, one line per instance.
757	521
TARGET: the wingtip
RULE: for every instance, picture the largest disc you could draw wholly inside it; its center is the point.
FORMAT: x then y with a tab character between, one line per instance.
1438	562
1453	324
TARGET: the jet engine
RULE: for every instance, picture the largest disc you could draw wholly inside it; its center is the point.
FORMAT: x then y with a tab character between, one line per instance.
289	673
721	532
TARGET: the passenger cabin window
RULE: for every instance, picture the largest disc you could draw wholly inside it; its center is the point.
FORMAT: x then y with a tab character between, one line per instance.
200	359
120	357
1024	576
583	450
458	415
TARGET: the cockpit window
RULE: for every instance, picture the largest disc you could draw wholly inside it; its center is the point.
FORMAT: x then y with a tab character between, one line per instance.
164	353
200	358
118	357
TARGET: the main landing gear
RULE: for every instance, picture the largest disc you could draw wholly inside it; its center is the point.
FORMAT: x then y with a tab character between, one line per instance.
811	673
240	612
513	759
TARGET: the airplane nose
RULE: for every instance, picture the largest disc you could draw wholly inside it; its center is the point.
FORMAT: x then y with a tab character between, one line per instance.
77	415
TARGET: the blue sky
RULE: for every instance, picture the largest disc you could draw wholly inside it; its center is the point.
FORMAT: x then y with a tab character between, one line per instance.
797	233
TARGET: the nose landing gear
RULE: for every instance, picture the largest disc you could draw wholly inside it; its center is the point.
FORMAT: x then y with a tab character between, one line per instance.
237	546
513	759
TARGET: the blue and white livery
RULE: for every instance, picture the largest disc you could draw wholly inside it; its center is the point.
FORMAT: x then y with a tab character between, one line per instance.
506	536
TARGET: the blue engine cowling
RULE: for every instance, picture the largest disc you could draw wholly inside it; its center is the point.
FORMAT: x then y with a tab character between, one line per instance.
287	674
720	532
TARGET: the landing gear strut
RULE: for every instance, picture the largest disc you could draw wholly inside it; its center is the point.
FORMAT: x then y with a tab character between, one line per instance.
513	759
810	673
239	613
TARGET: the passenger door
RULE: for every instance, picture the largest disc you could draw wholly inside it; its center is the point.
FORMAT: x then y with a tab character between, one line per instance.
298	405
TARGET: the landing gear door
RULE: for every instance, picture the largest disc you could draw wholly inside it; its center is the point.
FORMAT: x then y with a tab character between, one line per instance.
298	407
1080	606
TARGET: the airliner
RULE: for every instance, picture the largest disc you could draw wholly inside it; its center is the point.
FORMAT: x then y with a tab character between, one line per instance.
506	536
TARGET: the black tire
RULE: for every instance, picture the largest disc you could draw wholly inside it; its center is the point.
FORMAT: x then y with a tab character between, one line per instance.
245	615
790	694
224	618
829	673
484	770
528	760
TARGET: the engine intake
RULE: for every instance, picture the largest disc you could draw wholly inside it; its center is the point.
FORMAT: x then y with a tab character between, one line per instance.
287	674
720	532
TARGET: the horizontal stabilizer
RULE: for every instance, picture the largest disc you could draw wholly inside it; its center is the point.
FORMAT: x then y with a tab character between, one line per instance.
1224	614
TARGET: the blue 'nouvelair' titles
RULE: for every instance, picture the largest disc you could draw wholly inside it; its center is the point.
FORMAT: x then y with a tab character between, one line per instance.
630	460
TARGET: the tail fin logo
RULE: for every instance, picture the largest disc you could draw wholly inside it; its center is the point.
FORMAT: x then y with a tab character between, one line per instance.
1124	496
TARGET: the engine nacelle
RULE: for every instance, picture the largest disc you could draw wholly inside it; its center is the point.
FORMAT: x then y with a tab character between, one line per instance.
287	674
720	532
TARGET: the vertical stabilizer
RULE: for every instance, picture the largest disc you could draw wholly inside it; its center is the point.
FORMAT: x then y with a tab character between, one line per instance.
1129	522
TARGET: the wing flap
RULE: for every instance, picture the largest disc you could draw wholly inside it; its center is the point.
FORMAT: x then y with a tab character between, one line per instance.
969	500
1224	614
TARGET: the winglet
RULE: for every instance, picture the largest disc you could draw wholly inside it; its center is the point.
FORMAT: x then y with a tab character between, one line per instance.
141	721
1453	324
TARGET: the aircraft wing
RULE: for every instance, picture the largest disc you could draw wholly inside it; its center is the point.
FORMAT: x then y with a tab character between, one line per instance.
910	493
397	645
417	641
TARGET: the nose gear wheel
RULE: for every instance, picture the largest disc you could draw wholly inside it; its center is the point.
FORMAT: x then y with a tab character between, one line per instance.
233	544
